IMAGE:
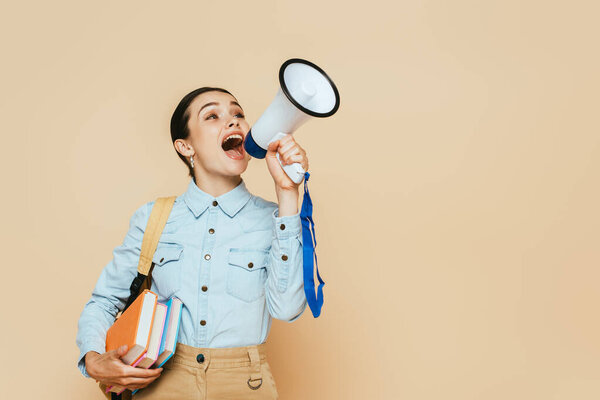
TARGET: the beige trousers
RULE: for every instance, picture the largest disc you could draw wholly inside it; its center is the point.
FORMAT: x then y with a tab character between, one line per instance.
214	374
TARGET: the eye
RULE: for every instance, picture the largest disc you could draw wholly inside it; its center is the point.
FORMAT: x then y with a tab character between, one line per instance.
211	115
239	115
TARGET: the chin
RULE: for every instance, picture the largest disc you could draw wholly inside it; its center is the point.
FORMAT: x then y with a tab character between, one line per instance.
237	169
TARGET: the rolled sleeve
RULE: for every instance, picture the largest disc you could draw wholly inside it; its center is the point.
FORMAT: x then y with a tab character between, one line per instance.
98	347
111	290
285	286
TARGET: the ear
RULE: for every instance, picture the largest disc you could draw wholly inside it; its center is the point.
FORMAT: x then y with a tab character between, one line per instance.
184	148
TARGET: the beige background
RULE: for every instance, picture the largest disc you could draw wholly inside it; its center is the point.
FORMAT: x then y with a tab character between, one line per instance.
456	189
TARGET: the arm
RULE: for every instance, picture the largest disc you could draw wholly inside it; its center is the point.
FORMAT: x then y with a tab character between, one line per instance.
111	291
285	284
108	298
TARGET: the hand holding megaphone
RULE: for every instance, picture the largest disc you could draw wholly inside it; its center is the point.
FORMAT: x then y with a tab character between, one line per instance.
306	91
282	155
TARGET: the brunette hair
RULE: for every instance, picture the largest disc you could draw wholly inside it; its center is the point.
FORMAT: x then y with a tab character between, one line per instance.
181	117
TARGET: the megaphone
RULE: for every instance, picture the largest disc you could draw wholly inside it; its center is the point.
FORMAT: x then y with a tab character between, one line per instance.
306	91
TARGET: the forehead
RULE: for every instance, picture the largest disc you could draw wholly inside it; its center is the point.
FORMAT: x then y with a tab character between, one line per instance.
210	97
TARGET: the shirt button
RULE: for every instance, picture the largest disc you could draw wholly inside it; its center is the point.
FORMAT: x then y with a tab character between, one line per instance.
203	322
284	257
215	203
207	256
250	265
204	288
282	226
162	259
211	231
200	358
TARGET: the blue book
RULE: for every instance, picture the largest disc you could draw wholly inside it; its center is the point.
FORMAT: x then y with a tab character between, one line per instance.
169	341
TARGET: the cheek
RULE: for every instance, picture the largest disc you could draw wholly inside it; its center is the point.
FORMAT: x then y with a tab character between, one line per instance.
209	150
205	137
206	147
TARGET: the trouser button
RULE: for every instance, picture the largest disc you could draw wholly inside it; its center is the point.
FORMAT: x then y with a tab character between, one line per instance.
200	358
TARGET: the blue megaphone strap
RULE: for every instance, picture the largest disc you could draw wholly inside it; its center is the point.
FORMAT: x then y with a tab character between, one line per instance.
309	243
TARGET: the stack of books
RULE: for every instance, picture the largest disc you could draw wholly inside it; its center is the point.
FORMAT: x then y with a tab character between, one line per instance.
149	329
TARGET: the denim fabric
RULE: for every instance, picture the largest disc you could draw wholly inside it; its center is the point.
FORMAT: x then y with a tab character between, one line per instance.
231	260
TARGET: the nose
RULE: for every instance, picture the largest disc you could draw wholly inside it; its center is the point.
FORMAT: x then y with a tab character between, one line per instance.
233	123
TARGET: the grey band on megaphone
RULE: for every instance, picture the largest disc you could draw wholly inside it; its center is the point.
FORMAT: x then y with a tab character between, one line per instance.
285	90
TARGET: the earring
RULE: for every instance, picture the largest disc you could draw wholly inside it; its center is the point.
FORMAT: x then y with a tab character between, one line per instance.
192	161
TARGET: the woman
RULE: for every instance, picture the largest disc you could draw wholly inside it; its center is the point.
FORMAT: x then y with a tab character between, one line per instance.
234	260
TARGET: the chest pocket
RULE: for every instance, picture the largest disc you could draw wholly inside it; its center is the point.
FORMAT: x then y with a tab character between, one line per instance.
247	273
167	271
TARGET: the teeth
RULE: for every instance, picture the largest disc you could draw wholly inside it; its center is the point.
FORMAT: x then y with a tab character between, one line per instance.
233	137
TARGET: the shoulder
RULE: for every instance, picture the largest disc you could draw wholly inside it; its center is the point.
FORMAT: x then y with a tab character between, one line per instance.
257	214
141	215
262	205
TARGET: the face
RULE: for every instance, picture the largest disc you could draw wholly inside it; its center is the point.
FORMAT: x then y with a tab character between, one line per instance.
217	130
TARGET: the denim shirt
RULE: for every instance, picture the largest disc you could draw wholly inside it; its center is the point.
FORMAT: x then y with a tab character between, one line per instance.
231	260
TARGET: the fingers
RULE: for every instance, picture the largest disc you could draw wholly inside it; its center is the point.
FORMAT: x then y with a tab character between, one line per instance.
297	158
292	151
287	139
286	146
272	148
133	372
120	352
132	378
289	152
136	378
116	354
294	154
289	145
135	383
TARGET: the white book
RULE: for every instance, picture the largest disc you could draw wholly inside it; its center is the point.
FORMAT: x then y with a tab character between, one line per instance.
155	337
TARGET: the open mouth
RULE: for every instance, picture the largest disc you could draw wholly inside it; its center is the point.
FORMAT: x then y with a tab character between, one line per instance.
233	146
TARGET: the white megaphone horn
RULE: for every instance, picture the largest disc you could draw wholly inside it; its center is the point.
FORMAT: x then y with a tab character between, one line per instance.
306	91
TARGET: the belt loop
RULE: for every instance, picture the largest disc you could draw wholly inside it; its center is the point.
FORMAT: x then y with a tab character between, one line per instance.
255	380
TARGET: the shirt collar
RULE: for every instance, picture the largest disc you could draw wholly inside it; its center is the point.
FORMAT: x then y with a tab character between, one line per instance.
231	202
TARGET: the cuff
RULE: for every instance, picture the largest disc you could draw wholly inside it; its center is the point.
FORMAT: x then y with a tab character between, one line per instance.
301	312
99	348
287	226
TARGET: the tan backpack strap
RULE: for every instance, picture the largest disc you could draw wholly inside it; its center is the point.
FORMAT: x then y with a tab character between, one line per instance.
156	223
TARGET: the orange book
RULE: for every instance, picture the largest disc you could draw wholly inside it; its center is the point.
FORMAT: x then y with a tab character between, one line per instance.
133	328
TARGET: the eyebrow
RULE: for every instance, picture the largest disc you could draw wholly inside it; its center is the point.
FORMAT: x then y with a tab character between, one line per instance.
214	103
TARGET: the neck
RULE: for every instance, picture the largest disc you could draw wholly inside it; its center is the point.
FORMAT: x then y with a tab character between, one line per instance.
216	185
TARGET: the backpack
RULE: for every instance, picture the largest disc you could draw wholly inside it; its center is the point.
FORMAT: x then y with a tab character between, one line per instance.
156	223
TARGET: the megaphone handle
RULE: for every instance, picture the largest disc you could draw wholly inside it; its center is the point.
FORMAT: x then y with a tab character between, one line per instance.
295	170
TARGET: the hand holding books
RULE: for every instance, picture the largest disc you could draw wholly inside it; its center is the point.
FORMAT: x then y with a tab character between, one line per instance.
109	369
140	341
